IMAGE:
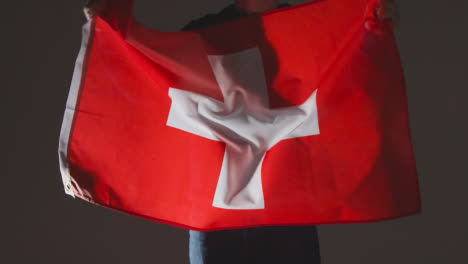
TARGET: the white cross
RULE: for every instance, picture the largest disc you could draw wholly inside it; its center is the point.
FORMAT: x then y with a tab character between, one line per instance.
243	122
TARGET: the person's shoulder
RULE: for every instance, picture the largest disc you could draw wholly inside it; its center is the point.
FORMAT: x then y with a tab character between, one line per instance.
199	22
209	19
228	13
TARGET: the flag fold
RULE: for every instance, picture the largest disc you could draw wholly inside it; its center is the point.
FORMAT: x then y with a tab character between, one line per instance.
294	116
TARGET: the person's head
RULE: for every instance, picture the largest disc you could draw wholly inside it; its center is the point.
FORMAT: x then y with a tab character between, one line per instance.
256	6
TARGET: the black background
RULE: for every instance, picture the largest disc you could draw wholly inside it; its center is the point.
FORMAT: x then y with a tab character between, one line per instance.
41	224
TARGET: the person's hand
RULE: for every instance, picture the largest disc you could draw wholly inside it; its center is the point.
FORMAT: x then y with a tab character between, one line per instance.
93	7
386	10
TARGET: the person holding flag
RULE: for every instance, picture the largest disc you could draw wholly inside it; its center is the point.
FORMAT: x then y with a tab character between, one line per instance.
269	244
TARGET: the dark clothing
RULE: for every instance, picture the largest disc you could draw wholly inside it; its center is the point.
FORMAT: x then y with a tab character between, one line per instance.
270	245
274	244
229	13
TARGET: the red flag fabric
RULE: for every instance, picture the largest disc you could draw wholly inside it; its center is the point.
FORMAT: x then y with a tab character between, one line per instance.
291	117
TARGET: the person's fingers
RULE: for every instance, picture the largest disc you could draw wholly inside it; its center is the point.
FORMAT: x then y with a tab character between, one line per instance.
88	13
93	7
387	10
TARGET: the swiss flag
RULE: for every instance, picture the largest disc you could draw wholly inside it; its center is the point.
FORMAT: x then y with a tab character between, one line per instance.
291	117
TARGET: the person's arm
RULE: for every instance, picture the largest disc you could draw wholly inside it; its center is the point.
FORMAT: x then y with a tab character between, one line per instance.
93	7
